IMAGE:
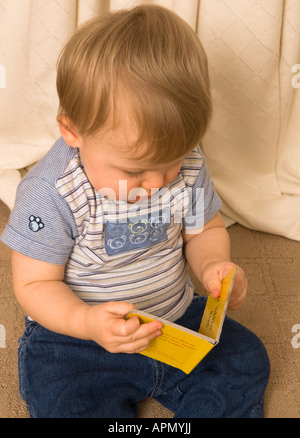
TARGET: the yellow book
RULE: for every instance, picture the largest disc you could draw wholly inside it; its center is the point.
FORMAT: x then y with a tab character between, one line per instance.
183	348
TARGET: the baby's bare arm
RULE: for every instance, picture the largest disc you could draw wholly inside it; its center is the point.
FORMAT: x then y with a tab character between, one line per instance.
41	292
208	254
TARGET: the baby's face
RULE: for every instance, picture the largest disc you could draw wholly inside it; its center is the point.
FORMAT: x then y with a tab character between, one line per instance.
114	172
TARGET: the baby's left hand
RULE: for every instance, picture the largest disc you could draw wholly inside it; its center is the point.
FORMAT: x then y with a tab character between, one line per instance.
213	276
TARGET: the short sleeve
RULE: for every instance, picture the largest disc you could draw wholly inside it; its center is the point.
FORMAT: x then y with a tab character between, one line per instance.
204	202
41	224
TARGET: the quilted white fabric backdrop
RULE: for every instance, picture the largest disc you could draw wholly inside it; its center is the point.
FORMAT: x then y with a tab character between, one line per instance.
253	144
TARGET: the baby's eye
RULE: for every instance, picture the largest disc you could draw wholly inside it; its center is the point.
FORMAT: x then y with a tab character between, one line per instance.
133	174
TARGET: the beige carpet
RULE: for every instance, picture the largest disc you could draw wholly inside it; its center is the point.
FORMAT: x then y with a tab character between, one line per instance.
272	309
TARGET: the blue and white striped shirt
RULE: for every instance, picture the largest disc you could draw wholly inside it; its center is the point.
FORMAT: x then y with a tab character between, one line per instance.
112	250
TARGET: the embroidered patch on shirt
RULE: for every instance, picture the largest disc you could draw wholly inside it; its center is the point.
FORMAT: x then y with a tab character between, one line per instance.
35	223
141	232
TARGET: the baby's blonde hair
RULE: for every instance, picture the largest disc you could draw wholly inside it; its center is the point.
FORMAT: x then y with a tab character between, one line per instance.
156	59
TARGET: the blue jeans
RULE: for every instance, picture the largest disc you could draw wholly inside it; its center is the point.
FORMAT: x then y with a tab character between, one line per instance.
61	376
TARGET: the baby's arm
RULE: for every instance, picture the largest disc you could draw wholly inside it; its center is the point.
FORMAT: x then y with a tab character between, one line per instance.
41	292
208	254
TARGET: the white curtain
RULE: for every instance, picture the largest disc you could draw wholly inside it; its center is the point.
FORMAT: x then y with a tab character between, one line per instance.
253	144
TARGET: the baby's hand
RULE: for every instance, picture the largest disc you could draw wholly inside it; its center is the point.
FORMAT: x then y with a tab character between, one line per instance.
105	324
213	276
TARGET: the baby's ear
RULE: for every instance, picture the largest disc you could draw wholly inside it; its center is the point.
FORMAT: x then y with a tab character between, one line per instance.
68	131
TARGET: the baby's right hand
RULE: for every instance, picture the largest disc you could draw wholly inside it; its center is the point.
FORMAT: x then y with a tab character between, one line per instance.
105	324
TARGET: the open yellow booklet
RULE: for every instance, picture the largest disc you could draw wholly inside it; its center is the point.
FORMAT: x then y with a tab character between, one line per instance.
183	348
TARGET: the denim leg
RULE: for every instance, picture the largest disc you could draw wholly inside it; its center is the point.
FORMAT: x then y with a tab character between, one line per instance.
67	377
229	382
62	376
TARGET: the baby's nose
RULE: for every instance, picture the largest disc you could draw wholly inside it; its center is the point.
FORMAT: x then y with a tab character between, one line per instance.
153	179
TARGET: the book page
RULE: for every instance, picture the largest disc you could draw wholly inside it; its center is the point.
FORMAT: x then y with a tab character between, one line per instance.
177	346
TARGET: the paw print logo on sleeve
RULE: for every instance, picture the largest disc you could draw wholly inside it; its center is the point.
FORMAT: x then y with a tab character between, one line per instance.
35	223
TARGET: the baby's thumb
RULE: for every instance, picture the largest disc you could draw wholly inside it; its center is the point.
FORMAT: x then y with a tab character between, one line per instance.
213	285
120	308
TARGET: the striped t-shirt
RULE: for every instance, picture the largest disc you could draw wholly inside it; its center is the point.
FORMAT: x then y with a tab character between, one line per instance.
112	250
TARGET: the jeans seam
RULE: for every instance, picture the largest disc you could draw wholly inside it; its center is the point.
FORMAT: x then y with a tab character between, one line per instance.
21	348
159	376
25	342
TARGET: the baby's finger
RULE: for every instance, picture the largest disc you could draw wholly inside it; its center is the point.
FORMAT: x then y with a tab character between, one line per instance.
140	341
125	327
